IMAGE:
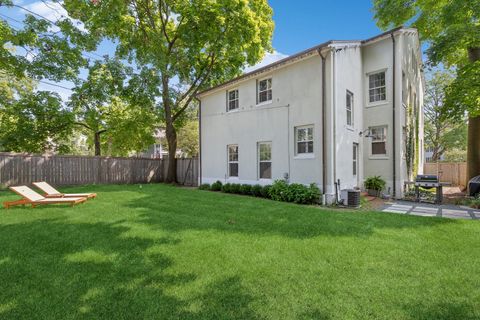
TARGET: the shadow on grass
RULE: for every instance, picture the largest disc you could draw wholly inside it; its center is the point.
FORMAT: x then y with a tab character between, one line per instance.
177	209
443	311
58	270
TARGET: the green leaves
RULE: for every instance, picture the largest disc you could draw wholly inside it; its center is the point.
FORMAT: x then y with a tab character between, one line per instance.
35	122
112	106
463	95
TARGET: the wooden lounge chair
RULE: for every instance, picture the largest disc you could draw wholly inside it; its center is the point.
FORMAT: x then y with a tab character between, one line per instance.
32	198
51	192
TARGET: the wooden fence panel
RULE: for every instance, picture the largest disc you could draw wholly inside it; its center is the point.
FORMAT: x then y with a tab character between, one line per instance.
453	172
20	169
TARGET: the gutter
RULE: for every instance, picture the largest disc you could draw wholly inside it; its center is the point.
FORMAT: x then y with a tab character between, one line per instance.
393	117
324	165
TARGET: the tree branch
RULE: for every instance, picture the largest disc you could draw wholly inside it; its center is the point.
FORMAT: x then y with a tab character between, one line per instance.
83	125
194	88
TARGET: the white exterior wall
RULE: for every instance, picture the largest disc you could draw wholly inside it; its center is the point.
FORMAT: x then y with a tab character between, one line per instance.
378	57
296	102
348	76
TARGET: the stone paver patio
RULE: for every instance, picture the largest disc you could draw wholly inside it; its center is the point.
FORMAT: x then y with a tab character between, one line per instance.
431	210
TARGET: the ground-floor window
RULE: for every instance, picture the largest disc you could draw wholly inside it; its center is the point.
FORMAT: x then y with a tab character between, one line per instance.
379	140
265	160
355	159
304	140
233	160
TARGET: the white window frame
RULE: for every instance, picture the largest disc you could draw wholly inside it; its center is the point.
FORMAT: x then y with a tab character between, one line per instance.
385	140
232	161
312	140
269	80
350	109
355	157
269	143
236	100
376	102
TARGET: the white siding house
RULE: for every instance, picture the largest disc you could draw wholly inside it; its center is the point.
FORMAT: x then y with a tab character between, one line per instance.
332	112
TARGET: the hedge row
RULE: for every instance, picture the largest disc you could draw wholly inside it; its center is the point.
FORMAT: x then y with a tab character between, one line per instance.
279	190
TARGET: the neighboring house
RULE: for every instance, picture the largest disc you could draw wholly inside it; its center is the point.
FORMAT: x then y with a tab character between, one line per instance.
156	150
334	112
429	155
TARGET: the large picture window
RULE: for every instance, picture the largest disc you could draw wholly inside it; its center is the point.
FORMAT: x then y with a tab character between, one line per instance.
349	105
304	140
264	90
265	160
233	160
232	100
377	90
379	140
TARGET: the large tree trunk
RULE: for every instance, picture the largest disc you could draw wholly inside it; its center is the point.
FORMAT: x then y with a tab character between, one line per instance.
170	132
172	150
473	141
98	151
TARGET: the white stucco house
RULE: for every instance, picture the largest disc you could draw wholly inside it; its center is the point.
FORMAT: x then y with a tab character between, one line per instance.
337	111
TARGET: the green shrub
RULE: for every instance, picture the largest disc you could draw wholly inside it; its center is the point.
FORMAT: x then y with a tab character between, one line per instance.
302	194
279	191
246	189
227	188
295	192
257	190
265	192
216	186
204	186
474	203
236	188
375	183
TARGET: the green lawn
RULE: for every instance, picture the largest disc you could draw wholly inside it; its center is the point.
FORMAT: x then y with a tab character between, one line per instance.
162	252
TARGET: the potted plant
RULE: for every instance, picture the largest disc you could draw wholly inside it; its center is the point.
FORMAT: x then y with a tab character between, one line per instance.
374	185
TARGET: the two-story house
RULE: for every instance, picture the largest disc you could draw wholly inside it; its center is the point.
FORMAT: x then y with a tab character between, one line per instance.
337	111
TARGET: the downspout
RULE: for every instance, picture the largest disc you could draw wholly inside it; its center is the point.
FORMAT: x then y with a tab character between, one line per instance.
324	165
394	118
334	108
199	140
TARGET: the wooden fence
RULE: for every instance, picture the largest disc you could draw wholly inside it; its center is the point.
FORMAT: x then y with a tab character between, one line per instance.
453	172
19	169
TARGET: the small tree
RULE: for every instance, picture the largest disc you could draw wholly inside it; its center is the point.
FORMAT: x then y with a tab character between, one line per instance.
442	133
108	109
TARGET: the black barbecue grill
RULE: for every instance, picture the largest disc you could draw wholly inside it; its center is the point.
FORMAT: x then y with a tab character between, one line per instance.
429	181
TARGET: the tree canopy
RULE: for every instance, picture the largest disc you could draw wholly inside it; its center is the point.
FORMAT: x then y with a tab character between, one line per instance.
451	29
184	45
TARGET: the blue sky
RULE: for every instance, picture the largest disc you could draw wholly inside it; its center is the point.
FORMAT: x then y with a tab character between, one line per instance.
299	24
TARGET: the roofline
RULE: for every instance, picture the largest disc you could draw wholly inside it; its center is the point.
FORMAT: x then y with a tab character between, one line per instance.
293	57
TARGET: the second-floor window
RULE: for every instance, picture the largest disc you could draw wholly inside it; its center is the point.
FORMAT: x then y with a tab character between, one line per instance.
264	90
377	90
232	100
349	105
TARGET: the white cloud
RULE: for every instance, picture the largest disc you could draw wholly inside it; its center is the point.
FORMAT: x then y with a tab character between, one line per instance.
268	59
53	11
